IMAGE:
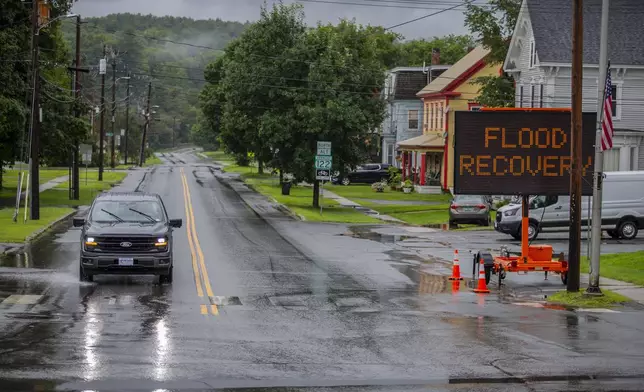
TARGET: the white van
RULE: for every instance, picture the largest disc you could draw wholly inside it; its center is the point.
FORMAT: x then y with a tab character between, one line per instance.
622	209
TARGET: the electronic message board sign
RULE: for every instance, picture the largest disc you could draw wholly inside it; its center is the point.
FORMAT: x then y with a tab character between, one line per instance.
519	152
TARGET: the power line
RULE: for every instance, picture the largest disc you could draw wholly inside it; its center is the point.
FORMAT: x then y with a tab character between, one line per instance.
428	15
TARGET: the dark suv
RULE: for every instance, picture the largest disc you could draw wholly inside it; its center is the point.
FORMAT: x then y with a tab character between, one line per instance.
127	233
365	174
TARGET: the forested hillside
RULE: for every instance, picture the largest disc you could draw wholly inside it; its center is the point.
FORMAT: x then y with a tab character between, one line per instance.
170	52
173	52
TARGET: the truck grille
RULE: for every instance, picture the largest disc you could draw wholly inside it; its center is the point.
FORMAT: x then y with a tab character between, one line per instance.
138	244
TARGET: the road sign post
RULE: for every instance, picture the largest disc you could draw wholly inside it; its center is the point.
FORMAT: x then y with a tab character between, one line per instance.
323	165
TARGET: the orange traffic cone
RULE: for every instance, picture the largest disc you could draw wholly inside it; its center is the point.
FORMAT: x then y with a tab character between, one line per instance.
482	286
456	268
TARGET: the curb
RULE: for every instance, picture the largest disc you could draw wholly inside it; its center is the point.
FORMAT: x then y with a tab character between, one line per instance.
281	207
38	233
284	209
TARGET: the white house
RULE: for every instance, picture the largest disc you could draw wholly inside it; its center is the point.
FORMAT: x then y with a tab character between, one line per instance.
539	60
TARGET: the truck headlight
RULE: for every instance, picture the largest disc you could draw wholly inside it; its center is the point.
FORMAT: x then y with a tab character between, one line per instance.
511	212
89	241
161	241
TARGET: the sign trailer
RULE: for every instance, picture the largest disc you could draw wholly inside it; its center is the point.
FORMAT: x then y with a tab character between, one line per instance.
519	152
516	151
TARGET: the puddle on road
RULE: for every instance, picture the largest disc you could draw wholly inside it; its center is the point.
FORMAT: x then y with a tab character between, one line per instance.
53	249
364	232
429	283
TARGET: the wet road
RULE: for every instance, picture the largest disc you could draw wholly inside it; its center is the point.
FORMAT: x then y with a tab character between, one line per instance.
263	301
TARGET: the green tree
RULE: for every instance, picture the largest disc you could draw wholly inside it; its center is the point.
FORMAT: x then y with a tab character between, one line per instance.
259	83
494	24
342	103
496	91
16	76
280	88
452	48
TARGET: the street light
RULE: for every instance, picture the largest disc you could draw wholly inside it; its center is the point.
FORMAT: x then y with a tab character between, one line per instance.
55	19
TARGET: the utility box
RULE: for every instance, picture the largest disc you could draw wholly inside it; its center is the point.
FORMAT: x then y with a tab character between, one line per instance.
540	252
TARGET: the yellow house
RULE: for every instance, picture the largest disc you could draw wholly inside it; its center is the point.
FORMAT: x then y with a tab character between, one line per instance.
453	90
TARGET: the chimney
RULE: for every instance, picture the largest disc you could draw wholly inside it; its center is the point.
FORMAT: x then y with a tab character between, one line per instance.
436	56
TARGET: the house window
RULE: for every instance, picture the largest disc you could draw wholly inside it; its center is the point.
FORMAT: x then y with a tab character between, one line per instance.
435	117
541	95
441	123
431	116
425	115
616	94
634	158
413	119
533	54
611	160
390	153
475	108
532	102
520	96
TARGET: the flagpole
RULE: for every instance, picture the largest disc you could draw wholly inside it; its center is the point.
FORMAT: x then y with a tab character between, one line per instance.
596	228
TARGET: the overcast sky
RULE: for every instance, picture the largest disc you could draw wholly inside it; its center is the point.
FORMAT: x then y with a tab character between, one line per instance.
377	12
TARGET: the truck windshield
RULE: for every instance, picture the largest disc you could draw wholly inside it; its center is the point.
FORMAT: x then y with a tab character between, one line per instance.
127	211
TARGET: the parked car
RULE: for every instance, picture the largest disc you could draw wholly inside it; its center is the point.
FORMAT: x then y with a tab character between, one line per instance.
622	209
365	174
126	234
470	209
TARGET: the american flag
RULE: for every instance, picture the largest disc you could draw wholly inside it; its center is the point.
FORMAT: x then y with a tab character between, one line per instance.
607	120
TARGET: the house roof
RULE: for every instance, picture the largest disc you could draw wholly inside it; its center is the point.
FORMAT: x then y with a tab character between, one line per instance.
453	76
408	83
424	141
552	27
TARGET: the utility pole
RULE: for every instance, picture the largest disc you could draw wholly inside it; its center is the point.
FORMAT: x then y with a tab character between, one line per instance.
112	146
127	116
174	127
596	225
101	143
77	87
145	127
34	160
574	240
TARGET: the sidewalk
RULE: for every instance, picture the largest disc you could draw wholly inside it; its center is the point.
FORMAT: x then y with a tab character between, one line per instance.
344	202
630	290
52	183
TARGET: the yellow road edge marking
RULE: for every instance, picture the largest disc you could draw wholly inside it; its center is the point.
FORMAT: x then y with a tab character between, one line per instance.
193	255
214	310
204	310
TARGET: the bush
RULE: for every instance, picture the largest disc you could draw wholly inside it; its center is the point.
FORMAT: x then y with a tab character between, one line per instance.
394	175
501	203
378	186
394	182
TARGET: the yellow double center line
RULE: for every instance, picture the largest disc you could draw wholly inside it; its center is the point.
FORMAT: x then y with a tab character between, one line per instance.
198	263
